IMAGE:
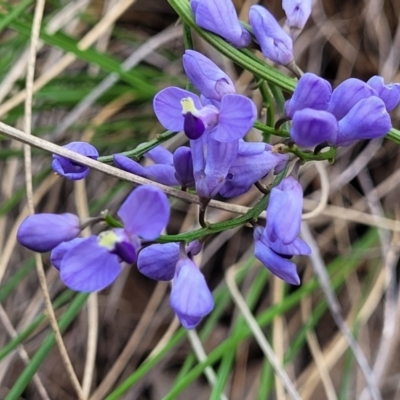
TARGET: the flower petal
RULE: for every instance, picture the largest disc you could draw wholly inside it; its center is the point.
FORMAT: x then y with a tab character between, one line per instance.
311	92
311	127
390	94
236	117
158	261
58	253
191	298
88	267
279	266
347	95
368	119
168	109
145	212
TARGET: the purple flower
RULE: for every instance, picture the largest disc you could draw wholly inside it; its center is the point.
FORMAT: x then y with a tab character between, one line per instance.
274	42
297	13
220	18
368	119
347	95
390	94
179	109
311	127
71	169
209	79
311	92
253	162
94	263
191	298
43	232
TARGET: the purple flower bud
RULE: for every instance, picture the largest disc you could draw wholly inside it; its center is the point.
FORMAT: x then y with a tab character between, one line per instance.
347	95
71	169
297	14
190	297
161	173
368	119
160	155
43	232
311	127
220	18
311	92
284	211
390	94
183	163
158	261
274	42
209	79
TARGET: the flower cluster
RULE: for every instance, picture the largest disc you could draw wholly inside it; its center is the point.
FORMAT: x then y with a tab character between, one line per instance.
355	110
93	263
216	162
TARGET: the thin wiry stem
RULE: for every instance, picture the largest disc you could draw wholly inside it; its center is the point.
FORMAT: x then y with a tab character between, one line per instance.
201	356
92	304
37	19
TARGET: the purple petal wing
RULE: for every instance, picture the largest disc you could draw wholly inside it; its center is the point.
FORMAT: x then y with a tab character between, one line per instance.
311	92
312	127
145	212
158	261
390	94
347	95
88	267
279	266
58	252
236	117
191	298
368	119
